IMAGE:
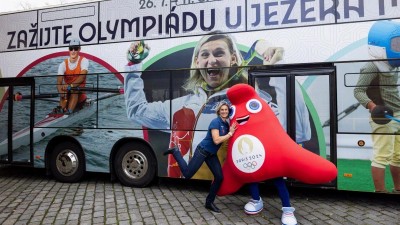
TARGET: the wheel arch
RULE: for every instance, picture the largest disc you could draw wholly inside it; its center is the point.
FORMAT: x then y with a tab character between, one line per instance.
54	142
119	144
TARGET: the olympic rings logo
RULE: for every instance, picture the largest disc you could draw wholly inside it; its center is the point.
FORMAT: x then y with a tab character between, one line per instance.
250	165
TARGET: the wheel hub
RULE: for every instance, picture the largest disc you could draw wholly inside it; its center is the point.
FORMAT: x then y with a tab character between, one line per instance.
135	164
67	162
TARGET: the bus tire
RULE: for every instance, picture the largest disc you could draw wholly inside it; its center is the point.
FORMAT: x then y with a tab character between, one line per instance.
134	165
67	162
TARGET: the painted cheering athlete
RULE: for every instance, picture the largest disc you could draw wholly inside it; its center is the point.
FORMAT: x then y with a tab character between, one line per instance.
207	87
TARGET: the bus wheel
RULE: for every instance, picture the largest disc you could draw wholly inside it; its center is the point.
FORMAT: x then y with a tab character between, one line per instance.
67	162
134	165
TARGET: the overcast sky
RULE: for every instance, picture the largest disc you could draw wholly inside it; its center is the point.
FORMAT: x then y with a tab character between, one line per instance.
18	5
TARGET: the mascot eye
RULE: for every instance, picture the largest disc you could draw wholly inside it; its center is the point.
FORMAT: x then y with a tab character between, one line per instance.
232	111
253	106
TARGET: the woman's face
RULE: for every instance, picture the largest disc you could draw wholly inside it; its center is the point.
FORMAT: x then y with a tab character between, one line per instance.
224	111
213	55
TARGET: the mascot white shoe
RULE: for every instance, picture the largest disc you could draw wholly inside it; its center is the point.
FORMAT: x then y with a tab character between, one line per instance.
288	217
254	206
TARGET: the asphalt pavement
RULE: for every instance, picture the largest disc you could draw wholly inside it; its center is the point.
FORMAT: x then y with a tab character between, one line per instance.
27	196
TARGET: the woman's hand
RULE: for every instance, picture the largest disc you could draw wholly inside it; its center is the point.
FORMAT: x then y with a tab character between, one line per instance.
135	47
271	55
137	52
232	128
219	139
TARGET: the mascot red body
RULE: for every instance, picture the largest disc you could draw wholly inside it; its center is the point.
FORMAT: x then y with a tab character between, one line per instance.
260	149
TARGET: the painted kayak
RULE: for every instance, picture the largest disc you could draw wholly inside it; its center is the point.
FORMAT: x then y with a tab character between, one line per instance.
50	124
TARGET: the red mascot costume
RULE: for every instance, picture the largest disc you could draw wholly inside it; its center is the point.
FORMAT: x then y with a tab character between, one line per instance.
260	149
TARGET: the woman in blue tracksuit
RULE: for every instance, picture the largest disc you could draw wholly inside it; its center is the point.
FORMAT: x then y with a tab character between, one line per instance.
206	151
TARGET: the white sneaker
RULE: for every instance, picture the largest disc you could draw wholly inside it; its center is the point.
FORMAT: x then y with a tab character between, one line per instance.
253	206
288	217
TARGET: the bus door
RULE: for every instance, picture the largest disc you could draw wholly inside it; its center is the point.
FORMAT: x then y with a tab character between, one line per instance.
304	101
16	120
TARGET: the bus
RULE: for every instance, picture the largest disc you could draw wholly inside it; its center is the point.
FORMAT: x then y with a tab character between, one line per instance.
305	58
